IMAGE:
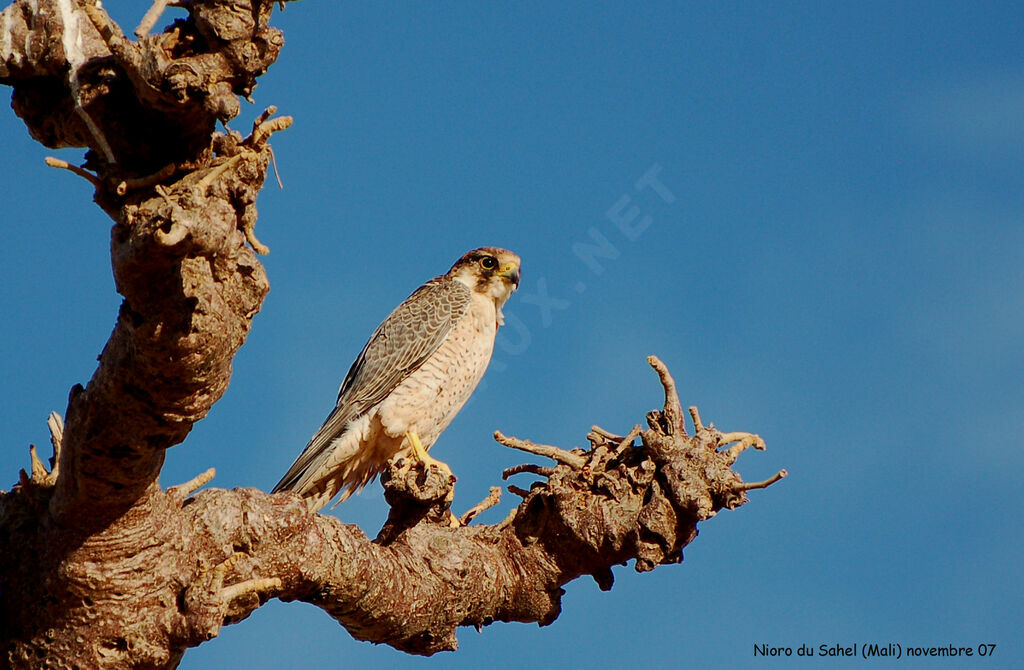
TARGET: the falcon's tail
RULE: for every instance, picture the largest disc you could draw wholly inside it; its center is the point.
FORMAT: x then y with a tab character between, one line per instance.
344	463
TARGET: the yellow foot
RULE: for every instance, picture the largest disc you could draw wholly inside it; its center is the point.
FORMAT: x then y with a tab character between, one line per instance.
421	455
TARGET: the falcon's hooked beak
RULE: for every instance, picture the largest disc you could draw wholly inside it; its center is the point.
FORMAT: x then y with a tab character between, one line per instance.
510	271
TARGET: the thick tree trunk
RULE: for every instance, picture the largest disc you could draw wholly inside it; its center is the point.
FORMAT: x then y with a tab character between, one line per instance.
100	567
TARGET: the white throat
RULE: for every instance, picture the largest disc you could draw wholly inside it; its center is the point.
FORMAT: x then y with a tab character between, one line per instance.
497	290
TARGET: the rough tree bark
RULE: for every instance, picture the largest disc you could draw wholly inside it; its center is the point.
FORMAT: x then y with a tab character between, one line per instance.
100	566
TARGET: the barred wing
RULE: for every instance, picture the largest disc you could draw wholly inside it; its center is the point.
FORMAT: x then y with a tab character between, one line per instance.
399	346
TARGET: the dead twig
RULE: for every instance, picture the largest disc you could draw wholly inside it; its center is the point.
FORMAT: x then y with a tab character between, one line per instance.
540	470
55	422
39	471
151	17
628	440
612	437
273	163
263	127
64	165
191	486
509	518
135	183
264	115
249	230
673	410
743	442
108	30
215	172
698	425
546	450
781	474
492	499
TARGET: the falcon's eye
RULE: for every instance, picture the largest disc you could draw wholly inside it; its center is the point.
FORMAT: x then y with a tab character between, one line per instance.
488	262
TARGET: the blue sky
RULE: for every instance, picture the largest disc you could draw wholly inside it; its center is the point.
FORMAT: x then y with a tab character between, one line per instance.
833	259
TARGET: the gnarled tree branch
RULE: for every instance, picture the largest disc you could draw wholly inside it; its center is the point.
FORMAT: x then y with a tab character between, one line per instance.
421	579
183	201
223	553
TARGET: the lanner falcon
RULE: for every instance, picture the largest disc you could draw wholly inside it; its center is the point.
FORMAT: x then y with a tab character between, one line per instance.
411	379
